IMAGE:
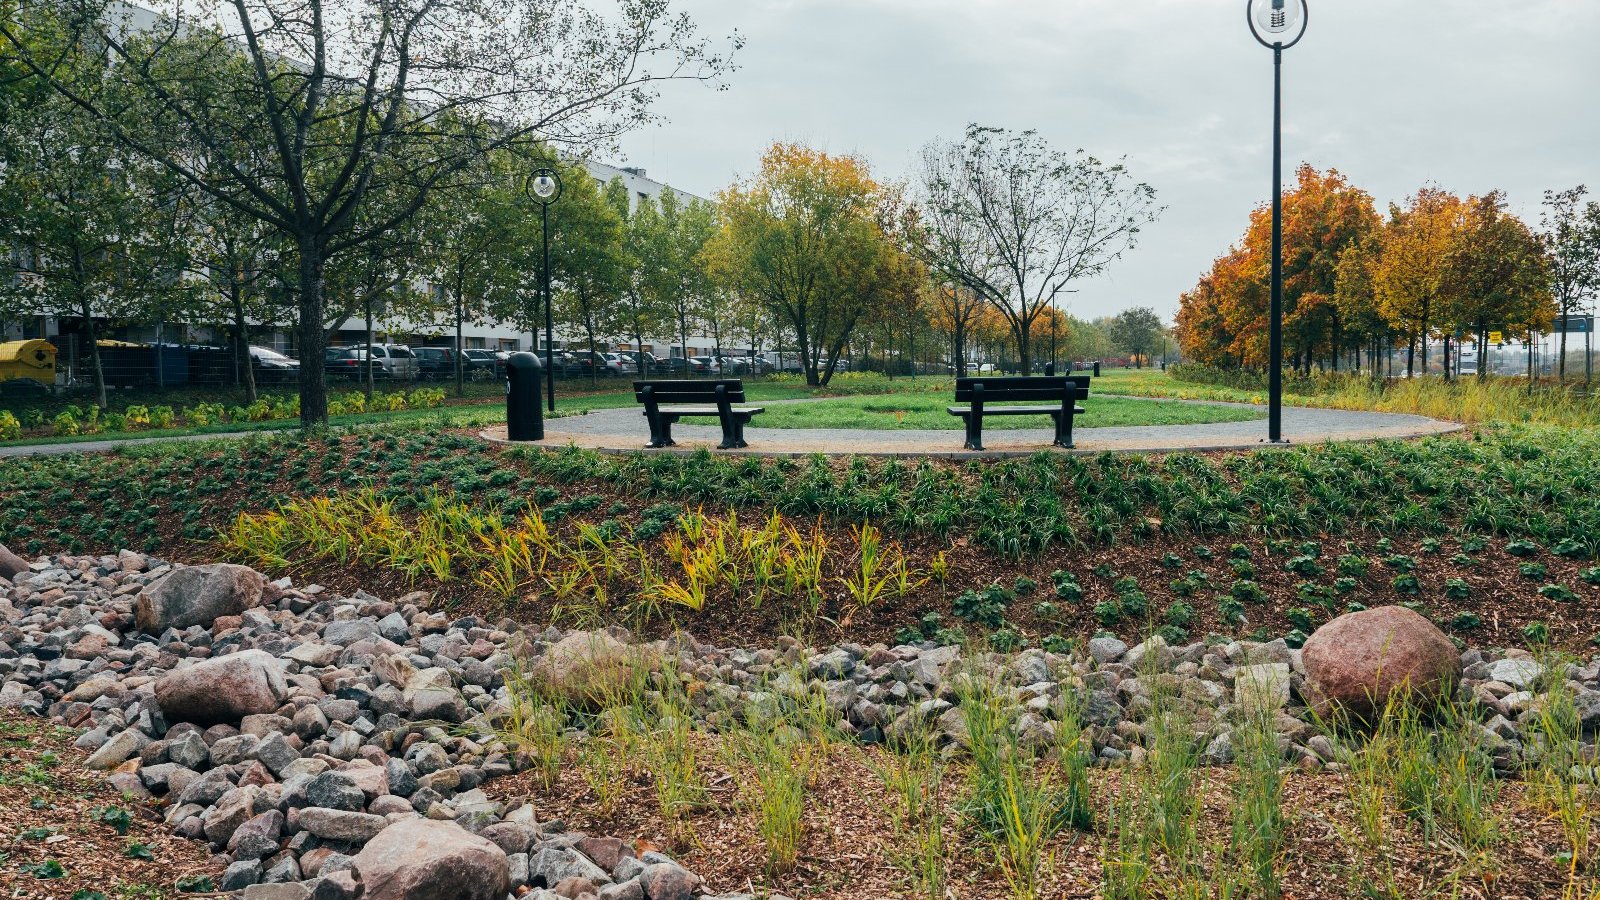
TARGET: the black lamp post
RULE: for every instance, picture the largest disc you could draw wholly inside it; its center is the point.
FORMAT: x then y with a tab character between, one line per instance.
545	188
1271	21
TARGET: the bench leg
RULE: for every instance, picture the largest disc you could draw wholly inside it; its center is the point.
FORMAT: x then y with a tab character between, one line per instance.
974	432
661	431
731	438
1063	429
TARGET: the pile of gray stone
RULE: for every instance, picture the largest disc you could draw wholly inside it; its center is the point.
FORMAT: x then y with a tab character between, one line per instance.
335	747
326	747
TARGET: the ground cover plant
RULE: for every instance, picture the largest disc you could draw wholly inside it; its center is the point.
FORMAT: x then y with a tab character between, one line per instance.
1266	544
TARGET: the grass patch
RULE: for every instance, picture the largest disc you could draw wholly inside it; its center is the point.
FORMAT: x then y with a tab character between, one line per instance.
927	411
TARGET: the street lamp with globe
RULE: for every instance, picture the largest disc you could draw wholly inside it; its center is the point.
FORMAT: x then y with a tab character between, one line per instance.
1277	25
544	188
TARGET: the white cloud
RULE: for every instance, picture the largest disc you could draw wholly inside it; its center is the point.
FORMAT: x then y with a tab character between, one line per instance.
1471	94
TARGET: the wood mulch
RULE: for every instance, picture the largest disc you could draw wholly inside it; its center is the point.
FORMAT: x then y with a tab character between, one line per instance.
850	848
54	812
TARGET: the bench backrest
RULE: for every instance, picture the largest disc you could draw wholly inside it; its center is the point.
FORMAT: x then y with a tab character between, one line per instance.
1024	387
687	390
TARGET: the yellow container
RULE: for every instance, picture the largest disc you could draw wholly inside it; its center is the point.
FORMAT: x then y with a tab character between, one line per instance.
34	360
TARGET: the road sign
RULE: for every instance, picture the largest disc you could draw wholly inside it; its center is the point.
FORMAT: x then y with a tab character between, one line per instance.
1496	337
1575	324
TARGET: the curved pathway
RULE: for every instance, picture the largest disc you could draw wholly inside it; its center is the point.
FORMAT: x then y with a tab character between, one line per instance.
624	430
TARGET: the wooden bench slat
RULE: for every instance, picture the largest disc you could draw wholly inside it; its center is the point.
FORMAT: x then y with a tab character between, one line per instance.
1012	410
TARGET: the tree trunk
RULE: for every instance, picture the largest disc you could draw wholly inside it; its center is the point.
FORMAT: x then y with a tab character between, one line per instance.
94	357
594	356
461	372
1561	364
313	390
241	331
368	375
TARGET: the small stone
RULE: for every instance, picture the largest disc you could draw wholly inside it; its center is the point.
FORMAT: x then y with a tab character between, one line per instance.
118	750
339	825
335	790
1261	687
1519	673
421	859
240	875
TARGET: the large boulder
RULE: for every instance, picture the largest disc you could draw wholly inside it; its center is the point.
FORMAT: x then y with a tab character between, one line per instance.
223	689
11	564
197	595
424	859
586	667
1361	661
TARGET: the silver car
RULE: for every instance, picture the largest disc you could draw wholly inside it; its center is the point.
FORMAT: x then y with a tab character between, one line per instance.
389	360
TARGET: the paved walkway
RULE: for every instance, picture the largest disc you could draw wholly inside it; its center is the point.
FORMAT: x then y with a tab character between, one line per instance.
624	430
103	446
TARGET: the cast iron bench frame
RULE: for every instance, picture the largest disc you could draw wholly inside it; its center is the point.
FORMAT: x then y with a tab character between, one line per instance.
668	400
1067	390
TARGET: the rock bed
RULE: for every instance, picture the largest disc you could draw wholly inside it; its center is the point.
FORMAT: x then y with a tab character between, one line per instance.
334	747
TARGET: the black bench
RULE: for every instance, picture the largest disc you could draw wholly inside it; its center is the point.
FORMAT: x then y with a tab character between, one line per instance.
1063	390
667	401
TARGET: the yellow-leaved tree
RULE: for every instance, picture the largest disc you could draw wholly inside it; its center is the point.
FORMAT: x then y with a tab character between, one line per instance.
818	242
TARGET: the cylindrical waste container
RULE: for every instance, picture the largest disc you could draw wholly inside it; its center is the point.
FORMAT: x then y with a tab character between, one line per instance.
34	360
524	405
1097	368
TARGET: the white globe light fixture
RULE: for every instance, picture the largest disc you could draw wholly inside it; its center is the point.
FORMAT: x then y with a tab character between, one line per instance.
545	186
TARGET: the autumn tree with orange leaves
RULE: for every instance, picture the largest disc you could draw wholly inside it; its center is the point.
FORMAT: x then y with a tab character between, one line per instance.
1439	266
1223	320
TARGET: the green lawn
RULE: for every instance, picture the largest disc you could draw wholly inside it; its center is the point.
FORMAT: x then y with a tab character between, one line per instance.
852	401
928	411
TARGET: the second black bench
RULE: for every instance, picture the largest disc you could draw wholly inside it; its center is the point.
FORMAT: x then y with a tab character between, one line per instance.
1063	391
667	401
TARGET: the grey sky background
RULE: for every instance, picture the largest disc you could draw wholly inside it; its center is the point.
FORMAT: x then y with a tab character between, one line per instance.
1471	95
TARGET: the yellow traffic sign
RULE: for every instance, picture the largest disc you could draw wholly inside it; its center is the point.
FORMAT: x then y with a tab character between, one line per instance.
1496	337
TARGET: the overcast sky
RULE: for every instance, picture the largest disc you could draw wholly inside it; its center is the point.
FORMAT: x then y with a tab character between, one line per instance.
1470	94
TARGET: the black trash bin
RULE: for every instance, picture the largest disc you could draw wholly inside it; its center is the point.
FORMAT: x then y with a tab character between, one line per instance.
1097	368
524	405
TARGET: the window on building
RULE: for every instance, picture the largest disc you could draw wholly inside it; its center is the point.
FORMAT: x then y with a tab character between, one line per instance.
510	345
476	343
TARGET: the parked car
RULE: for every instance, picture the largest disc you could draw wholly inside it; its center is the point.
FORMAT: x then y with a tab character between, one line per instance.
492	362
608	365
439	364
653	364
395	361
273	367
340	362
704	365
733	365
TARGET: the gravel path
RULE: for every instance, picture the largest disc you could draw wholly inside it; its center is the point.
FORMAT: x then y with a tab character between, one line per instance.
625	430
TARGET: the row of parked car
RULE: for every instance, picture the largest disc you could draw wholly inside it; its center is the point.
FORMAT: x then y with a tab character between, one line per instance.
398	361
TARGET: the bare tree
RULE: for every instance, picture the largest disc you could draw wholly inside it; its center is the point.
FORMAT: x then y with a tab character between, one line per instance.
1570	235
305	108
1008	217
